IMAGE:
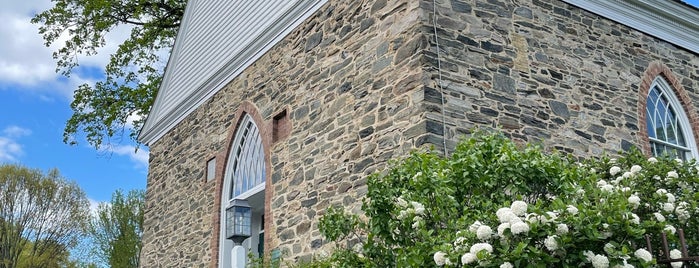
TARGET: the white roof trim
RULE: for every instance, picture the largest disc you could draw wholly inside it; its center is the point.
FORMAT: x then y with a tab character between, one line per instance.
668	20
155	128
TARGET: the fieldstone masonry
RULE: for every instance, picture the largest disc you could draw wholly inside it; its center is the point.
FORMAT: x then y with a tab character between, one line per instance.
366	81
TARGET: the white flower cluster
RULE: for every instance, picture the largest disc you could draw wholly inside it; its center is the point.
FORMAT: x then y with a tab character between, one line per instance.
598	261
410	209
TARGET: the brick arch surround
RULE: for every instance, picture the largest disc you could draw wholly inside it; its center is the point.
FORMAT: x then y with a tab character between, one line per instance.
654	70
265	128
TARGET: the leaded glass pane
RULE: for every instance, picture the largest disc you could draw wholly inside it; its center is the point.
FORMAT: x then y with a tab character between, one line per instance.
663	126
248	159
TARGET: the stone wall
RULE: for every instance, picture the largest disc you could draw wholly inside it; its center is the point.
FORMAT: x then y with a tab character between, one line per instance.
351	83
360	81
545	71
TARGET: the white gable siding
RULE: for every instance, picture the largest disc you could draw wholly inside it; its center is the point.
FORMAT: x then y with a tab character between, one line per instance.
216	42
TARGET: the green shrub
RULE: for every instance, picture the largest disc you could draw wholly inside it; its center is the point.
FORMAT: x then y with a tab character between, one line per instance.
494	204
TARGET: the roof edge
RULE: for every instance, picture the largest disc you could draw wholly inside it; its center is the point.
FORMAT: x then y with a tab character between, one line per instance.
155	128
671	21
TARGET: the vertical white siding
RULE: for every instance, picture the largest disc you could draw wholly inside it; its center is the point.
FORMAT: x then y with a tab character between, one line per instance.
218	40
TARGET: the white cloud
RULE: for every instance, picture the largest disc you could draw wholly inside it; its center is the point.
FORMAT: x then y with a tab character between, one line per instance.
16	132
10	148
140	157
27	64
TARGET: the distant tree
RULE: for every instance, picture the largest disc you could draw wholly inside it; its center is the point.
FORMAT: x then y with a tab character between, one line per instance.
42	216
131	78
117	227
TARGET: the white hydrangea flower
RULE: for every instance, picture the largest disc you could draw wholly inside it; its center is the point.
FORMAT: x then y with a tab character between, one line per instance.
601	183
550	243
502	227
474	227
673	174
402	214
670	229
484	232
676	254
572	209
607	188
520	227
635	169
682	214
608	248
679	161
635	219
401	202
419	208
468	258
625	189
614	170
659	217
618	180
661	191
652	160
440	258
634	200
588	255
478	247
550	217
668	207
505	215
519	208
416	223
600	261
627	175
506	265
670	197
562	228
448	262
643	254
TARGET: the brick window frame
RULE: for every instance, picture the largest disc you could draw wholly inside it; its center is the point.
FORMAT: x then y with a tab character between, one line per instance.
658	69
265	131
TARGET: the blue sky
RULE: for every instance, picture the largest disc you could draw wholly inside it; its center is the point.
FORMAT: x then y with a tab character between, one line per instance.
34	106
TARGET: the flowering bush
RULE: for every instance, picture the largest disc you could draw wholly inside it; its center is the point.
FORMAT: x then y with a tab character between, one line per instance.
494	204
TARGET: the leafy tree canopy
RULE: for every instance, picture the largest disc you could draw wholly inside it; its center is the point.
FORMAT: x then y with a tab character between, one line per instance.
117	227
42	216
132	77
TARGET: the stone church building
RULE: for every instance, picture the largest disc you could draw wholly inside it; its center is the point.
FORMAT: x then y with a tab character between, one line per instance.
289	104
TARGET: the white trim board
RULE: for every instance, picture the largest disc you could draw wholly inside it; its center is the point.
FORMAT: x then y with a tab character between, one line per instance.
176	99
668	20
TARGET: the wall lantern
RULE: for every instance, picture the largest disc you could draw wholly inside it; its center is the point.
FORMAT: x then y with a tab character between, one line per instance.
238	221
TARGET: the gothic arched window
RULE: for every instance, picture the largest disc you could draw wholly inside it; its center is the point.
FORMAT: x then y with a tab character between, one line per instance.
667	125
244	179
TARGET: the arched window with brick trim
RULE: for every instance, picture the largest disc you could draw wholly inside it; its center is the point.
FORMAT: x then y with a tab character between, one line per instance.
667	125
244	179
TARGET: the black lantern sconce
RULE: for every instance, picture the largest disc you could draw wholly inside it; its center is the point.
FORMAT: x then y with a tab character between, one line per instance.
238	221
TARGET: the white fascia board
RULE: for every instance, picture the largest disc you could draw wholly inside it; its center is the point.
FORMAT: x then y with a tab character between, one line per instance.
668	20
302	10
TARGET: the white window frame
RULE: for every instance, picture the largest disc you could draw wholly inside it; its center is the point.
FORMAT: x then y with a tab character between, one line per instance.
253	192
682	119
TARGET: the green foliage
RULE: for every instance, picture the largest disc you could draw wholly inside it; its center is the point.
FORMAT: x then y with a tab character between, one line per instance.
42	216
495	204
131	78
117	227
